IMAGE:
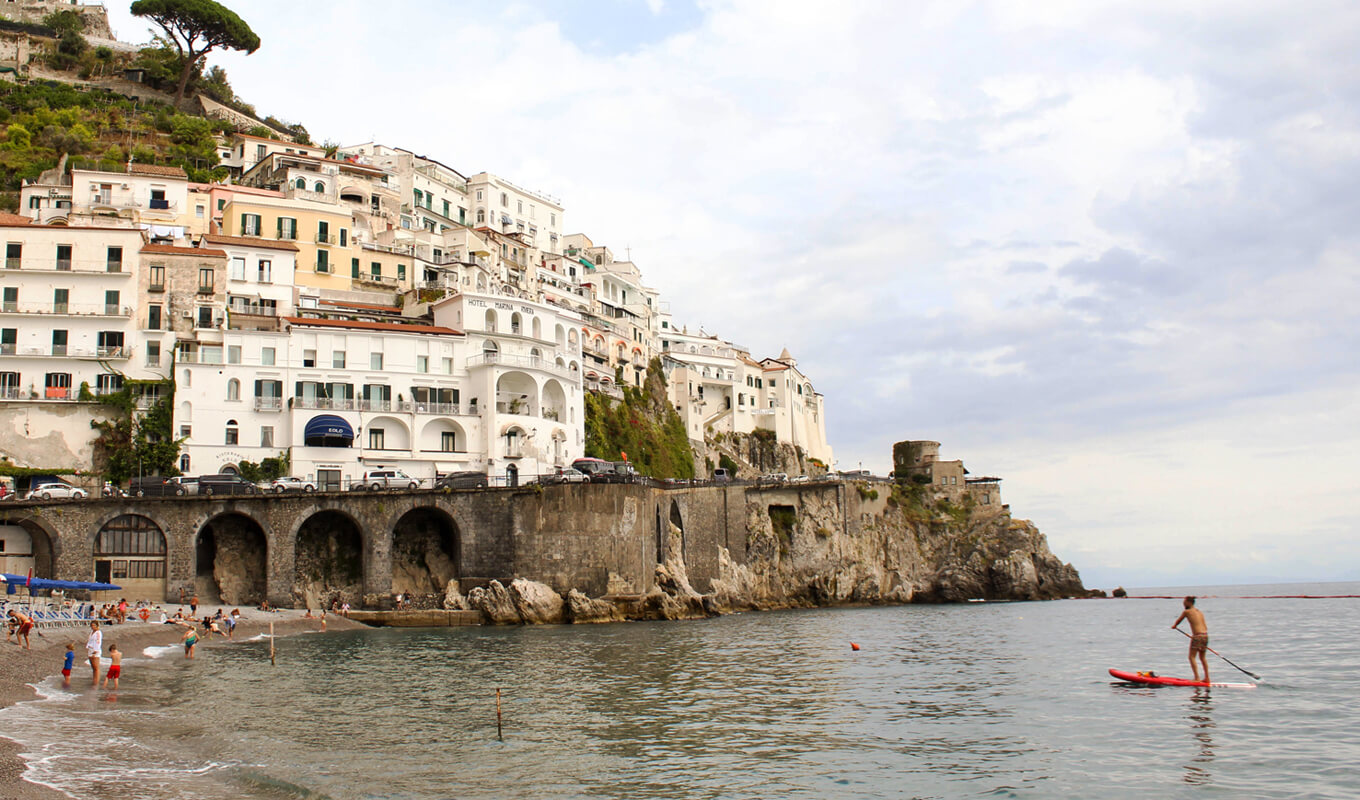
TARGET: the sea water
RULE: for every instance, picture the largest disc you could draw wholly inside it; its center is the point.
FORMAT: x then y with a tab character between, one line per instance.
974	700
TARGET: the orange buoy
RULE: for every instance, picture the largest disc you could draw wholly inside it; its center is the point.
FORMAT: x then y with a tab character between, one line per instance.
854	646
145	614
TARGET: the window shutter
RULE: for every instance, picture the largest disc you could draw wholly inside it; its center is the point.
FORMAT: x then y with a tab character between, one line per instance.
279	235
244	217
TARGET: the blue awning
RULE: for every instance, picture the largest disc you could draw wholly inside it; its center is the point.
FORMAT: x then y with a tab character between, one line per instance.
22	581
328	426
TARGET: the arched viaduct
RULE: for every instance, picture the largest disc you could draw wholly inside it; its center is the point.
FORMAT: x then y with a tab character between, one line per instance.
365	547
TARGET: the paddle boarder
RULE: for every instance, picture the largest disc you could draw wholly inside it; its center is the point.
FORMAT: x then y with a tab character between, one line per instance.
1199	636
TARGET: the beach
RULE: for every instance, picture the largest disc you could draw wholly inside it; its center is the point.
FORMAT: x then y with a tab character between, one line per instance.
20	669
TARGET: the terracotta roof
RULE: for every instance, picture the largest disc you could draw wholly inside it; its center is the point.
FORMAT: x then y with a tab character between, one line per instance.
248	241
172	250
779	368
371	326
11	220
365	306
152	169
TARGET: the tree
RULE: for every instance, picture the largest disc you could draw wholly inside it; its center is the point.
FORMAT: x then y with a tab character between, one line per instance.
196	28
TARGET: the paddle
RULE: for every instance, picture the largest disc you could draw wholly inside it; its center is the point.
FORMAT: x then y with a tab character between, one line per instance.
1220	655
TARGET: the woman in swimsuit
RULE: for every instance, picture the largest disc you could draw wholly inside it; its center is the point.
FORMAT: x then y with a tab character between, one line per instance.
190	639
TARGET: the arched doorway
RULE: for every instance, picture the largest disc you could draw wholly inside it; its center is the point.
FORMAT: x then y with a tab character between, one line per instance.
511	475
424	552
129	550
25	545
231	558
329	561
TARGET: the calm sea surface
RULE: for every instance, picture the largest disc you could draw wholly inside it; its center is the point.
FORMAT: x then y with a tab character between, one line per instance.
977	700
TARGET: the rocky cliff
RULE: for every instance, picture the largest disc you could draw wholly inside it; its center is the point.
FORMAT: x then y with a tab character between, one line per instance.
896	544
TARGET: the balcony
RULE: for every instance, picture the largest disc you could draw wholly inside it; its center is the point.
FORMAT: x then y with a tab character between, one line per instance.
254	309
112	352
373	405
443	409
269	404
67	309
528	362
381	280
325	238
82	267
340	404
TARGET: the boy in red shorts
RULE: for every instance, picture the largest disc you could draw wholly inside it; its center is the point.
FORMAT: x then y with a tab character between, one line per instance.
115	666
68	664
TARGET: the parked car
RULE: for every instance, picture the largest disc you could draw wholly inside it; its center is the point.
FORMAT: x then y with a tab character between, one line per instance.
774	477
620	472
182	485
462	480
566	475
377	479
56	491
151	486
290	484
225	483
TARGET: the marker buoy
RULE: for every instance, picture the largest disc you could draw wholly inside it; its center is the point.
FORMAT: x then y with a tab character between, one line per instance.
854	646
144	614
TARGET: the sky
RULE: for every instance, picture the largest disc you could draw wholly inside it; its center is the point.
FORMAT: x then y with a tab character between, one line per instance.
1104	250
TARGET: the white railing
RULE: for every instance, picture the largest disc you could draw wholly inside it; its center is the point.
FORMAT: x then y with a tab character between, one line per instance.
67	309
528	362
269	404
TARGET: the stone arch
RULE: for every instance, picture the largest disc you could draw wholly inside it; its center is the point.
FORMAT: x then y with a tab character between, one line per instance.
130	550
677	522
329	559
432	436
426	552
517	393
43	546
554	401
231	560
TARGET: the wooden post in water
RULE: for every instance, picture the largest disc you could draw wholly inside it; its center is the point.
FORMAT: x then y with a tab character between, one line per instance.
498	714
271	644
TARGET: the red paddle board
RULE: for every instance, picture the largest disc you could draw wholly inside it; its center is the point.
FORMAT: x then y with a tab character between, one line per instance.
1159	680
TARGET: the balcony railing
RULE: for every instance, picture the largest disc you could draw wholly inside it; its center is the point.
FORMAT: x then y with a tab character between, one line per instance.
445	409
341	404
325	238
254	310
373	405
113	352
529	362
269	404
385	280
67	309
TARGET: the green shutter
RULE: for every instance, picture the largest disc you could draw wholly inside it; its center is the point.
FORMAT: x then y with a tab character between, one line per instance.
354	267
243	224
279	235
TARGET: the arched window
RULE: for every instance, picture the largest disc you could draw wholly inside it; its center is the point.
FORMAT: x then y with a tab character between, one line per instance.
481	216
186	380
319	187
184	463
490	320
302	183
489	348
233	432
233	389
516	323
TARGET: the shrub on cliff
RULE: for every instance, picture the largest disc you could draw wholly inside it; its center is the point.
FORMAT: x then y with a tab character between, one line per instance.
643	425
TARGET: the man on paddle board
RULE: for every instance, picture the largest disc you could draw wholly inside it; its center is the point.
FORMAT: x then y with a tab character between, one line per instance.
1199	636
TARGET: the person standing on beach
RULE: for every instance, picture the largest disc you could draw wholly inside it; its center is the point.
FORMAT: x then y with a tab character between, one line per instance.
94	648
24	624
193	605
68	665
1199	636
115	666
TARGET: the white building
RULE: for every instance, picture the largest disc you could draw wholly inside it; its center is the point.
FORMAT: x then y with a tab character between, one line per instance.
507	208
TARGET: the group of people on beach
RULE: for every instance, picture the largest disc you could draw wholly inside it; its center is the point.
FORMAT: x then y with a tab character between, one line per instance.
221	623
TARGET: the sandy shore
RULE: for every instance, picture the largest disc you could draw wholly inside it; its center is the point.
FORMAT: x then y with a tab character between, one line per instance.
20	669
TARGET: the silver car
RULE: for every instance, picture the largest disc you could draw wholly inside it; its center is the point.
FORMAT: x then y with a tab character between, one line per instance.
377	479
56	491
290	484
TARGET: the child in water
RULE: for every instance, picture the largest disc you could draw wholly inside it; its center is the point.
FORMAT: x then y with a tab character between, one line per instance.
68	665
115	666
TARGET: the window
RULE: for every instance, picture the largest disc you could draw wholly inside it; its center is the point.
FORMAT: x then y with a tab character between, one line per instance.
448	442
479	194
63	257
112	302
250	224
287	228
115	261
233	390
233	354
448	366
157	278
401	272
323	232
153	354
323	261
309	358
267	356
9	341
422	363
238	269
375	269
344	237
481	216
375	361
199	211
267	436
58	385
233	433
264	272
375	438
505	200
107	383
205	280
13	255
319	187
553	219
205	317
338	359
519	206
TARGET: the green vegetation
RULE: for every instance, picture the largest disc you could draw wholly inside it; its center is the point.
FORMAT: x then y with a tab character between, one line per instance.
267	470
643	425
195	28
132	444
865	493
11	471
728	463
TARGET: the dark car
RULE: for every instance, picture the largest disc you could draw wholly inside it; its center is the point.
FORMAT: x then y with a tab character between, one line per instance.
462	480
619	472
226	483
153	486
